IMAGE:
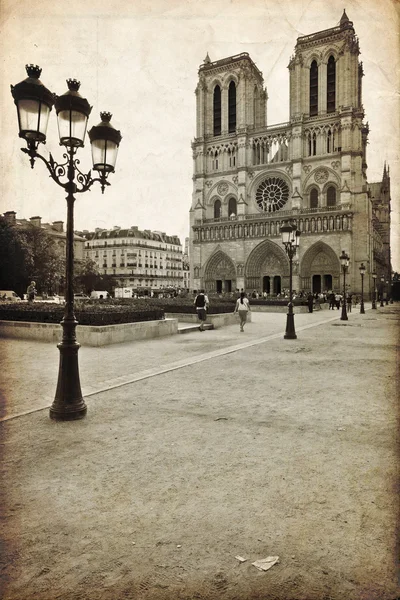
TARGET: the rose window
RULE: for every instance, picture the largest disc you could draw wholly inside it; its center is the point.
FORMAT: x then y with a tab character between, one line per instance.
272	194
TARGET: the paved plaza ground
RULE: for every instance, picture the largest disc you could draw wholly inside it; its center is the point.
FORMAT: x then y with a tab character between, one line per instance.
204	447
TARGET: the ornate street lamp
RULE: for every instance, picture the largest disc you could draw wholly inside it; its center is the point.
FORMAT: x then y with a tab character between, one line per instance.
290	239
362	273
373	275
387	293
34	103
344	261
382	282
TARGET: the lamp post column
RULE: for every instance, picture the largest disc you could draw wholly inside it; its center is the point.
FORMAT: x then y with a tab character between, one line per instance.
68	402
290	333
344	316
382	280
362	273
344	261
374	291
387	293
362	310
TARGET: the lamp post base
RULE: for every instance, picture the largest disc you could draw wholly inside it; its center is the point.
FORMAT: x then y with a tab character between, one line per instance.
68	403
343	316
290	333
362	309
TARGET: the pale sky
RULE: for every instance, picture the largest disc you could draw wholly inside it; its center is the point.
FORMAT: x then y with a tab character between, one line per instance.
139	60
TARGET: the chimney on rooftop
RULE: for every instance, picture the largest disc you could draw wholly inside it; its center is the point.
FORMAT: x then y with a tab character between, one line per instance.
58	226
10	217
36	221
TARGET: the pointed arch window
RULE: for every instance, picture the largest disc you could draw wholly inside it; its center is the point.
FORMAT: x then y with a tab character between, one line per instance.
256	103
329	140
232	107
331	85
217	209
314	198
217	110
232	207
331	196
313	88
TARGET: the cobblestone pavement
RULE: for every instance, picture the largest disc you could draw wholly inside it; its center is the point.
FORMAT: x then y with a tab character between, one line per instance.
228	445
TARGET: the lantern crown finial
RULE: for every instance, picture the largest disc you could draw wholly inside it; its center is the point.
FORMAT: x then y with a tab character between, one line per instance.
73	85
105	116
33	71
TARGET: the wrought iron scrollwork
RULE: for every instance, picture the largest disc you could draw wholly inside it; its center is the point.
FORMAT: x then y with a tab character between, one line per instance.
69	169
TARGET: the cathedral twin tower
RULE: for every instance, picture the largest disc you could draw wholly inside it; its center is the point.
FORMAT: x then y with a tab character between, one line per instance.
249	177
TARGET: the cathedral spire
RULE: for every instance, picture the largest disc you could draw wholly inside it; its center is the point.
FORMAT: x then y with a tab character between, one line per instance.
345	19
207	60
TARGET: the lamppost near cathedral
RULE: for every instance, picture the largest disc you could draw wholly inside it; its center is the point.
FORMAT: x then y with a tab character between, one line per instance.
344	261
373	275
382	282
290	239
362	273
34	103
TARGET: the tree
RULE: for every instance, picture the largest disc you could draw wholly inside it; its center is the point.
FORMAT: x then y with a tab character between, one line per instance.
86	275
47	264
16	259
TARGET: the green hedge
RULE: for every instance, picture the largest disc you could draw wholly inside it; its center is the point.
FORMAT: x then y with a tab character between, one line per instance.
85	315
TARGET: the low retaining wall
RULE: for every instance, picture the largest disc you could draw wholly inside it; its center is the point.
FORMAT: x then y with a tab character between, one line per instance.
216	320
89	335
284	308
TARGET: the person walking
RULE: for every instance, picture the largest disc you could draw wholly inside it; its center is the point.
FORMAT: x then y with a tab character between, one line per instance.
31	291
349	301
201	303
242	307
310	302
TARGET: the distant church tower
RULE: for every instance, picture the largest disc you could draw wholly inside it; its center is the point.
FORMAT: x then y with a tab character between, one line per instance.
249	177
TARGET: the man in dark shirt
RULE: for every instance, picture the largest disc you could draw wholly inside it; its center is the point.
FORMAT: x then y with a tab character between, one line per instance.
201	303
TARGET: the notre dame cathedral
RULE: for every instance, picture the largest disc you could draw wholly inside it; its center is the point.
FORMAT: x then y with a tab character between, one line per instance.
251	177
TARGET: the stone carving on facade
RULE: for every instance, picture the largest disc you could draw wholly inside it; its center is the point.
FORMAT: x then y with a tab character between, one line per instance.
240	269
271	264
196	272
289	170
251	174
335	164
345	187
222	188
235	179
209	183
307	168
321	175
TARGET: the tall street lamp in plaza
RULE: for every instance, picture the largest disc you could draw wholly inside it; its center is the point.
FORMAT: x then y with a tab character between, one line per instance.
373	275
362	273
34	103
387	293
382	282
344	261
290	239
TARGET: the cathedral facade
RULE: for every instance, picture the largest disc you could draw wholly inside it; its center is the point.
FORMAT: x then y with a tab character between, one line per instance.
250	177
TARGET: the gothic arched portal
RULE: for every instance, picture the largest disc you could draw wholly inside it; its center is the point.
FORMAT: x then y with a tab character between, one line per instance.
320	269
267	268
220	273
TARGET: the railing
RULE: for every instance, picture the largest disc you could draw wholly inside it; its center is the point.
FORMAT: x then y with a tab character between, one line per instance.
293	214
260	227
